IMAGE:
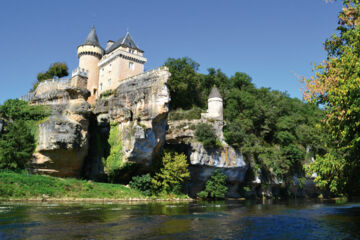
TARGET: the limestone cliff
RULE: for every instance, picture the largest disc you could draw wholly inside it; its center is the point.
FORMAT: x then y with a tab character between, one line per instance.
138	107
180	136
63	137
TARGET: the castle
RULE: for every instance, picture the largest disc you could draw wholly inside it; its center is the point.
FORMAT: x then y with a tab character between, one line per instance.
105	68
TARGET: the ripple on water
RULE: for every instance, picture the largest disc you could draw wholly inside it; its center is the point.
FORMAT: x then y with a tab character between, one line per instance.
227	220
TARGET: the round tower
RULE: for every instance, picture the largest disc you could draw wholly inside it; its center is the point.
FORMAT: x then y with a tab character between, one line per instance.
215	104
89	54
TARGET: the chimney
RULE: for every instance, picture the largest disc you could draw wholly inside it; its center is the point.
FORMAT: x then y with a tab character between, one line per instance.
109	44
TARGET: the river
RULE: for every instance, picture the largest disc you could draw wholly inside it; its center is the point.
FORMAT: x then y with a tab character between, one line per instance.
191	220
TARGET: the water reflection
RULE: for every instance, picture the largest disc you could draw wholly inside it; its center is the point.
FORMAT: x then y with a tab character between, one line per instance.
195	220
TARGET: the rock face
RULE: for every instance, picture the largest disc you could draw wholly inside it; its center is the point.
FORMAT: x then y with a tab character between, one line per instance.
139	105
63	137
204	162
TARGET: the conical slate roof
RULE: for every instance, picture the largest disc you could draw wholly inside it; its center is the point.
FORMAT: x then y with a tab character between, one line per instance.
125	41
92	38
215	93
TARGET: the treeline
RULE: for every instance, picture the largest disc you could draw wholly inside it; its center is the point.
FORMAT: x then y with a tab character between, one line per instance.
277	133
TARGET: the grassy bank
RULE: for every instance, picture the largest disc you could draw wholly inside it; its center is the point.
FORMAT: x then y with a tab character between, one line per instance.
28	186
25	186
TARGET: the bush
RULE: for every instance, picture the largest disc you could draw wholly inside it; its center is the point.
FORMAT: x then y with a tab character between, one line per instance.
173	173
180	114
215	186
206	135
142	183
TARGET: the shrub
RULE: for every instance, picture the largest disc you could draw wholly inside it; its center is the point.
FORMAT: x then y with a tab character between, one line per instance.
142	183
215	186
206	135
107	93
173	173
191	114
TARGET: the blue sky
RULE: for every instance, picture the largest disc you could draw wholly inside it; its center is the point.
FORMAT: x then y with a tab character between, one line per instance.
272	41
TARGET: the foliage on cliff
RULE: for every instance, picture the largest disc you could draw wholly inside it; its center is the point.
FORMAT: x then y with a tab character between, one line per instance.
270	128
17	143
336	86
206	135
114	159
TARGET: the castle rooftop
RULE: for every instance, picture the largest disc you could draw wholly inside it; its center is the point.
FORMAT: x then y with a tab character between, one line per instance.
125	41
215	93
92	38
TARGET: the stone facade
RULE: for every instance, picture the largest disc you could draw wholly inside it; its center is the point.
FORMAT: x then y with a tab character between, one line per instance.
119	65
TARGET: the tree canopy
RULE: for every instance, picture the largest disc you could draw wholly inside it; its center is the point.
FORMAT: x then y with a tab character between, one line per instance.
277	133
336	86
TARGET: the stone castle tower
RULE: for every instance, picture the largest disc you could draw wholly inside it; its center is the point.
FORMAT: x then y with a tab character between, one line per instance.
89	54
215	105
106	68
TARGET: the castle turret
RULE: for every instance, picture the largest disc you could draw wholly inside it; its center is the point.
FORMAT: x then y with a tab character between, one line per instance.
89	54
215	104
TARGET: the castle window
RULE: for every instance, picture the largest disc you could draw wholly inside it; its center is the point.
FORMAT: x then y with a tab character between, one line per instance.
131	65
100	86
109	82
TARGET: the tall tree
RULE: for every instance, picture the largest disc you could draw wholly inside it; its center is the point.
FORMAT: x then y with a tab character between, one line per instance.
183	83
336	86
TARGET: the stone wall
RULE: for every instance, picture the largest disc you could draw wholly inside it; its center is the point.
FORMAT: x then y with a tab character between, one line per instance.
52	84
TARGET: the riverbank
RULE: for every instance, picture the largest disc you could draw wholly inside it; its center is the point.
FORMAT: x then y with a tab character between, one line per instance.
22	186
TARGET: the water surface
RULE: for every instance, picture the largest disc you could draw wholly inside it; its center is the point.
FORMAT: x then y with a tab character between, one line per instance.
195	220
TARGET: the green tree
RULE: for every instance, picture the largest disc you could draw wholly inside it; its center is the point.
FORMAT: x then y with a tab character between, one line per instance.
142	183
16	146
215	186
17	142
173	173
58	69
15	109
267	126
336	86
183	83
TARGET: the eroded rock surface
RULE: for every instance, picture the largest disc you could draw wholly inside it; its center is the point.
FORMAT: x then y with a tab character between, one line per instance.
181	136
63	137
139	106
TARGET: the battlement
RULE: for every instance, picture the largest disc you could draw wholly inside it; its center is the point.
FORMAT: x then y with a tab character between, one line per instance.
52	84
82	72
